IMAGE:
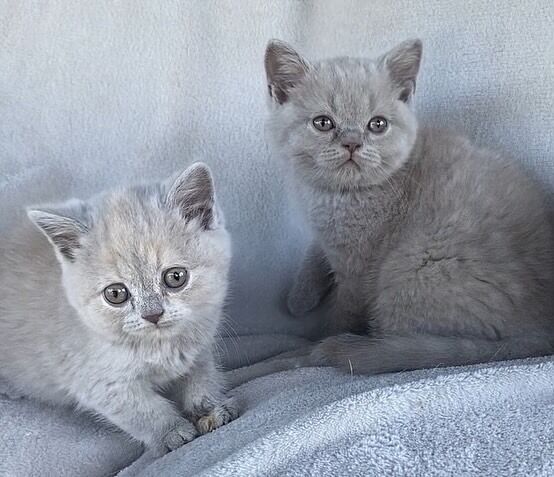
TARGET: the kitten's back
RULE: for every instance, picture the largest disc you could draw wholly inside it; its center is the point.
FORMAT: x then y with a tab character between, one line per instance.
29	311
477	186
484	222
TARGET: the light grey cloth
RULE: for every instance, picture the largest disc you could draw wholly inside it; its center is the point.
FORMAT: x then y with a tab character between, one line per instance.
483	420
93	94
40	441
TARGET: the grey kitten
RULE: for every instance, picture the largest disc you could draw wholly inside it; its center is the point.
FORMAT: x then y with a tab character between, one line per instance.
441	253
119	317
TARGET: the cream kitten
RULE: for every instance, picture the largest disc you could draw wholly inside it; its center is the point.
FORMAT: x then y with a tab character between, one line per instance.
114	308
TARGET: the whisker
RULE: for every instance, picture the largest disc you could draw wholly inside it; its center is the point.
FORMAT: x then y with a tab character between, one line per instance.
233	336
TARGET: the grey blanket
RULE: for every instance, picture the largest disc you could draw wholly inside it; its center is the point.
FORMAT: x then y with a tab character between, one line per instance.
480	420
486	420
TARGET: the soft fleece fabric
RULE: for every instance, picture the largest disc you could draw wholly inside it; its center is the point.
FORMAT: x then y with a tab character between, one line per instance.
94	94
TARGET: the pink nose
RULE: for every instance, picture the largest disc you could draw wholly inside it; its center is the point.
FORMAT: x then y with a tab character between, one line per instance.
153	318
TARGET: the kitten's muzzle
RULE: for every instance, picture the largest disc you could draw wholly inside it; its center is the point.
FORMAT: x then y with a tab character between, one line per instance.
351	145
153	317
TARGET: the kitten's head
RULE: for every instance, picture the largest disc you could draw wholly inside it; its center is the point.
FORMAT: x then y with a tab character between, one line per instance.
144	263
345	122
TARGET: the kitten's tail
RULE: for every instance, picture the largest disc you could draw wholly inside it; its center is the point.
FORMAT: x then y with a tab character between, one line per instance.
365	355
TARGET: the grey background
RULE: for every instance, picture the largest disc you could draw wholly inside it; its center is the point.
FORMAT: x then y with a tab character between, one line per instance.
94	94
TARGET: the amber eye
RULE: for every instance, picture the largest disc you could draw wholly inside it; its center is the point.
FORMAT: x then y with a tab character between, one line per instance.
175	277
116	294
323	123
377	124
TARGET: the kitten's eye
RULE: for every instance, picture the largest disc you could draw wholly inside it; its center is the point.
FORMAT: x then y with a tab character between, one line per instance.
116	294
175	277
323	123
378	124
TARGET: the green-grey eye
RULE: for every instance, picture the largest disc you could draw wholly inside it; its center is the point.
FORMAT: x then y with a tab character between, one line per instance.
175	277
116	294
323	123
378	124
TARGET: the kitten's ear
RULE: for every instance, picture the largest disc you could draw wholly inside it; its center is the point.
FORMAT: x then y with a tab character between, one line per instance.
61	226
402	63
284	68
193	194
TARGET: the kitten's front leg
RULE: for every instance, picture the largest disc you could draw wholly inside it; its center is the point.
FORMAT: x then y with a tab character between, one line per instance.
350	307
141	412
312	282
202	397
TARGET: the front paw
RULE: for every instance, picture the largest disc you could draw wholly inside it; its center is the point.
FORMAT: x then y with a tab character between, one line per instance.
179	435
217	417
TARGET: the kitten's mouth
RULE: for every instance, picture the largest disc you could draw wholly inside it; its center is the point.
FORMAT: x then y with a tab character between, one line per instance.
350	163
164	324
157	328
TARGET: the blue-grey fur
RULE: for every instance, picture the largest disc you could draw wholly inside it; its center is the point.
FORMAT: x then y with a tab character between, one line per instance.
63	343
440	252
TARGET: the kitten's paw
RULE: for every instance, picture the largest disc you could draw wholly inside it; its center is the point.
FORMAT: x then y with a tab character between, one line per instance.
181	434
346	351
325	353
218	416
335	351
9	391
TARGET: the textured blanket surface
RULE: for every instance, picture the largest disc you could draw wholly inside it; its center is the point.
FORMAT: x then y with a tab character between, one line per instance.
485	420
96	94
479	420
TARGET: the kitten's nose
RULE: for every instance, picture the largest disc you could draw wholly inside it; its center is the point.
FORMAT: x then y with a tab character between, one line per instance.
351	145
153	317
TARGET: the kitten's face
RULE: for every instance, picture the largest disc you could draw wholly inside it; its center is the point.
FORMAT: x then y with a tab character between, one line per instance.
148	269
344	123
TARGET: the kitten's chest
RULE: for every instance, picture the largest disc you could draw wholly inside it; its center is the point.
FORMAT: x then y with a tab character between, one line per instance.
350	227
165	366
159	363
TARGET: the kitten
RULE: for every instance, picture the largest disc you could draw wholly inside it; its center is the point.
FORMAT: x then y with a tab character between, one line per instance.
115	306
440	252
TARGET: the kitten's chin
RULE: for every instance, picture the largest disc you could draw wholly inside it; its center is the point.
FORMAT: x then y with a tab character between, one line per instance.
161	330
348	176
